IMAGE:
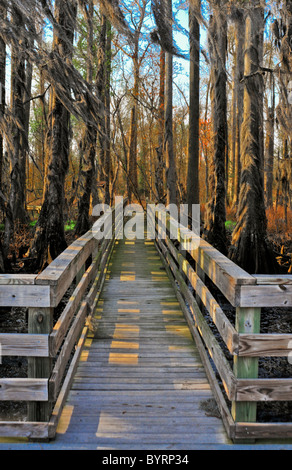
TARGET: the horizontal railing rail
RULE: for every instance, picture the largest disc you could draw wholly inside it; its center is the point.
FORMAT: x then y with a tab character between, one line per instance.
53	349
194	268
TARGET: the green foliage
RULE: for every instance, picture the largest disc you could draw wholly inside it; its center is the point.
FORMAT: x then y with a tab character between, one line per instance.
70	225
229	225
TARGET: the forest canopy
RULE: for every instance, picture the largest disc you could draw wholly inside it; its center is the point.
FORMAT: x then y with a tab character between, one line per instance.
156	100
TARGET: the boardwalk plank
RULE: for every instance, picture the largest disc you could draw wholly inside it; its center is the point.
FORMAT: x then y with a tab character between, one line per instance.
140	380
140	383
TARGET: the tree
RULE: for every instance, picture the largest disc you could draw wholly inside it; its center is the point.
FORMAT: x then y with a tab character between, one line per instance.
168	136
159	167
18	142
283	34
270	139
137	58
2	91
238	19
216	211
2	111
49	240
88	144
194	106
250	248
107	103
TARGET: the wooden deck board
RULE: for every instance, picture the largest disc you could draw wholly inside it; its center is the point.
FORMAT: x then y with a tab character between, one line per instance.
140	383
140	380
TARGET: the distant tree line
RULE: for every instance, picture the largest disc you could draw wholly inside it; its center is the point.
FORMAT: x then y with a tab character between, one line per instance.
91	105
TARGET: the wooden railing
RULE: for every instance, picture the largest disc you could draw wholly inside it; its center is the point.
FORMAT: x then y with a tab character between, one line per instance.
195	269
52	350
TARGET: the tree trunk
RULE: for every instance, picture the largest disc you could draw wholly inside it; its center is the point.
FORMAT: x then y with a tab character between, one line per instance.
284	108
193	194
2	112
107	161
159	167
132	156
49	240
2	91
86	180
19	138
216	211
270	132
88	141
239	71
168	136
100	87
250	249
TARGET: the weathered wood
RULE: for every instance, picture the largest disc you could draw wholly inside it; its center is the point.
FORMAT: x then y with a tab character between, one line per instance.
24	429
64	355
60	328
220	400
247	321
60	402
146	370
40	321
283	279
67	265
24	295
215	351
100	277
24	389
265	295
17	279
264	344
29	345
86	308
62	270
221	270
227	331
263	431
263	390
137	342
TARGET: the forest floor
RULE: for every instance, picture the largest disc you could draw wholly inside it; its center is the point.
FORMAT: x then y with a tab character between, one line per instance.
274	320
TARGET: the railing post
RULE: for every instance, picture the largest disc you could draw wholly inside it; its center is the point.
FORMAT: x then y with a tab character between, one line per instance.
40	321
247	321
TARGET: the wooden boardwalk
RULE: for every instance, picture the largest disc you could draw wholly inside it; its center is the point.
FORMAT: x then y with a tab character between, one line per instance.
140	383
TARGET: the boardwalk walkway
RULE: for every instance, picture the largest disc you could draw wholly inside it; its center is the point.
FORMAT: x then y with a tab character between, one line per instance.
140	383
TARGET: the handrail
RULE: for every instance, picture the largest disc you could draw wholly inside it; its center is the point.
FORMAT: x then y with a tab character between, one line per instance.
240	288
239	389
63	269
84	263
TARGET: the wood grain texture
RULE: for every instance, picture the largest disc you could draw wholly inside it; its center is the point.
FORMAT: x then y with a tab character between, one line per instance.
22	295
24	389
18	344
